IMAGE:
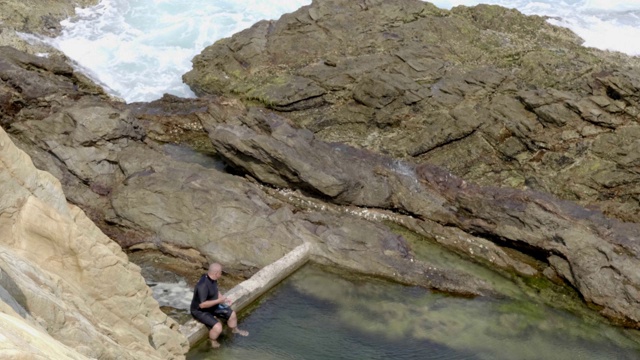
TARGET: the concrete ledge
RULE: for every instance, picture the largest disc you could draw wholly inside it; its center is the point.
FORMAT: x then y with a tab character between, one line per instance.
249	290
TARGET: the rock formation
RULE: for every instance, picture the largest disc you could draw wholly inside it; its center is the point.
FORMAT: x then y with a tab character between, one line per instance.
493	134
33	17
596	255
61	276
146	194
494	96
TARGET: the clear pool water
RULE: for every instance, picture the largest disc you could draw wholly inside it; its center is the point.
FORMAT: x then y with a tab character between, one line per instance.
317	314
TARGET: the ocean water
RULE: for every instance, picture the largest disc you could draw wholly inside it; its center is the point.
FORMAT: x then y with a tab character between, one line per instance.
139	49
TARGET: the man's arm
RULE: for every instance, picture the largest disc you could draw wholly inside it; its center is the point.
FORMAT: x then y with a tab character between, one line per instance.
203	294
211	303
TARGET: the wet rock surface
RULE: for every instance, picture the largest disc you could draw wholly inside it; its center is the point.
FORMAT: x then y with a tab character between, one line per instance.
596	255
20	20
33	16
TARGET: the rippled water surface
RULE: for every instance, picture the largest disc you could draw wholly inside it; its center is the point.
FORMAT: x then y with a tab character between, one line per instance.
317	314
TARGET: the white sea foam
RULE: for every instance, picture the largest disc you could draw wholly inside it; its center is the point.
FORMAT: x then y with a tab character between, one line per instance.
139	49
604	24
612	5
176	295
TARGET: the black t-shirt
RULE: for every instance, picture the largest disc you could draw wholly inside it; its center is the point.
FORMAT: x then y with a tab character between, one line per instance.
206	289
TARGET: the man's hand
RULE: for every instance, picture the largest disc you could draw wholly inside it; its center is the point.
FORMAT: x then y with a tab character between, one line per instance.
225	299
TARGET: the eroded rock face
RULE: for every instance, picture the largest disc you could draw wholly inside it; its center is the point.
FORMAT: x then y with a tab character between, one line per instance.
68	279
20	340
147	194
496	97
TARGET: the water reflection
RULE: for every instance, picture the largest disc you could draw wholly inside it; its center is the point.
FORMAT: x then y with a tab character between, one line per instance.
316	314
187	154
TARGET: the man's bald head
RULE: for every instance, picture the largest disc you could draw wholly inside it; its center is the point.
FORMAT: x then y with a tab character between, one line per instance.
215	270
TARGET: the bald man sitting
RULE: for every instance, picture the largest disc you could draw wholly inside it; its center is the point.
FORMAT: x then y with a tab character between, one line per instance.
209	305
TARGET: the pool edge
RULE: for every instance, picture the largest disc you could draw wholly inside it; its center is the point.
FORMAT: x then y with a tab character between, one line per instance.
249	290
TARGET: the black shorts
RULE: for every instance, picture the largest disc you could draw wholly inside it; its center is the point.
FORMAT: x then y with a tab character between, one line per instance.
210	317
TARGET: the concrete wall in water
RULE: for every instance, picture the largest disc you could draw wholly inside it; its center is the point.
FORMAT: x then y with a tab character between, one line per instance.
249	290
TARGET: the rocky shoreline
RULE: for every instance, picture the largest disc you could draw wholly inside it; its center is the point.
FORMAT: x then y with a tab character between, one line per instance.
493	134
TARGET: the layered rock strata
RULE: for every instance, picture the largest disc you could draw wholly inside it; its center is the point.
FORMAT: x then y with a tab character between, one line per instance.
63	279
596	255
496	97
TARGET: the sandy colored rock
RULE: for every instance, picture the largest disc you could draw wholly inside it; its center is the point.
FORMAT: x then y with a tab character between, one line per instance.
21	340
70	278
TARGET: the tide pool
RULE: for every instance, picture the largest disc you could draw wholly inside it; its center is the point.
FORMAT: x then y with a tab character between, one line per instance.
320	314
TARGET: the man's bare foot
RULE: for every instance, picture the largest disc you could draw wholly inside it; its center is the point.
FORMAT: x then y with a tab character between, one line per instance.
214	344
240	332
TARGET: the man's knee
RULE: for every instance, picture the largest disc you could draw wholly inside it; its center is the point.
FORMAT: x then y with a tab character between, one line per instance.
215	331
217	327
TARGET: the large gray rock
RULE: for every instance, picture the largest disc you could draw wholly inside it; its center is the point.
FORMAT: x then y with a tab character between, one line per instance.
496	97
146	194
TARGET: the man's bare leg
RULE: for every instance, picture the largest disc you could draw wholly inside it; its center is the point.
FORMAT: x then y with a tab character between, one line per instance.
233	325
213	335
